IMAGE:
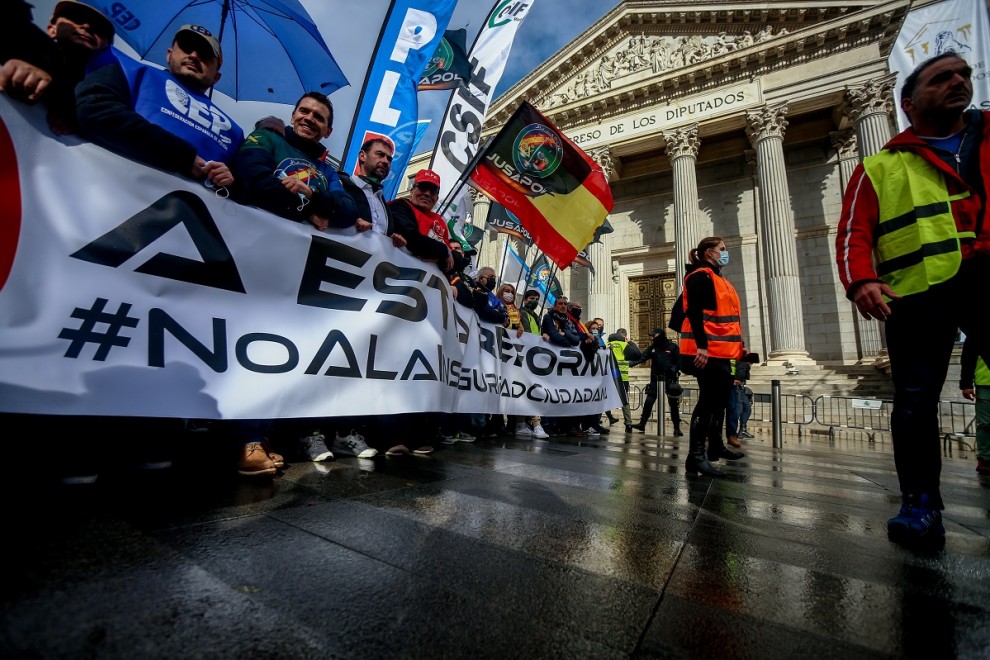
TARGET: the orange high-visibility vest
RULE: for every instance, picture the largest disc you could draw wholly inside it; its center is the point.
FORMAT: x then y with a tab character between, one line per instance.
723	325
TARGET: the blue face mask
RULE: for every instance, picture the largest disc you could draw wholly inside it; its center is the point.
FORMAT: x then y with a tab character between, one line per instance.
723	258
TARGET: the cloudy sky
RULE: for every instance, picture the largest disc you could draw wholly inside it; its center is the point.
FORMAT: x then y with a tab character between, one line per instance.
549	26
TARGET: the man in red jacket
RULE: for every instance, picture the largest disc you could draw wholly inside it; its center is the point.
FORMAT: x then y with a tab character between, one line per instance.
913	244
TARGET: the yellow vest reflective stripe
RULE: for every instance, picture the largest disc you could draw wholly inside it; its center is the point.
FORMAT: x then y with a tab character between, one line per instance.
619	351
917	242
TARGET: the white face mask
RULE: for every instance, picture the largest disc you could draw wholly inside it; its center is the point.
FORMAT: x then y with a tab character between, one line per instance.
508	297
723	258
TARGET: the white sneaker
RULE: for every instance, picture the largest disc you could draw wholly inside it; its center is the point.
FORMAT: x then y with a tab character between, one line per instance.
523	431
315	448
538	432
464	436
591	432
353	444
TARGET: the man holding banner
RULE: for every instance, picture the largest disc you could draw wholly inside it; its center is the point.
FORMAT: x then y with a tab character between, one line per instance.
163	118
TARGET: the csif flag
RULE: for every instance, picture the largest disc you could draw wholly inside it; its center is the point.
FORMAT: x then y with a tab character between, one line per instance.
558	193
449	67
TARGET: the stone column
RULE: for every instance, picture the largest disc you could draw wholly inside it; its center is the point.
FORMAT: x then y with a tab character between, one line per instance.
870	108
600	286
682	149
765	128
869	335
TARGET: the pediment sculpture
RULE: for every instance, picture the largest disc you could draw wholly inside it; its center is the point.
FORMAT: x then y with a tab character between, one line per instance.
656	53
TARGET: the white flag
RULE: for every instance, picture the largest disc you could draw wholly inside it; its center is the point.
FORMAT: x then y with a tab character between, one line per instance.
957	25
460	135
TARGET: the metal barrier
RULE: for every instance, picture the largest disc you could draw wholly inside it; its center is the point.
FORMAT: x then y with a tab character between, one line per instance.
957	419
869	415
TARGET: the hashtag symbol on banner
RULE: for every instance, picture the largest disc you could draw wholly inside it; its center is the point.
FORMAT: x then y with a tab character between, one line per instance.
87	334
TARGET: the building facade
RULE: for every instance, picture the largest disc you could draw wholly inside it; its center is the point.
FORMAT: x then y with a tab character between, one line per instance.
738	119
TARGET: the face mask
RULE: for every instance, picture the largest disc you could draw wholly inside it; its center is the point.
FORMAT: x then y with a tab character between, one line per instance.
531	305
723	258
576	313
508	297
596	333
488	283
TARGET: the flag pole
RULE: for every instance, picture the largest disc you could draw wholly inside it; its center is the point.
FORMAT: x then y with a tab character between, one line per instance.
462	179
505	254
549	286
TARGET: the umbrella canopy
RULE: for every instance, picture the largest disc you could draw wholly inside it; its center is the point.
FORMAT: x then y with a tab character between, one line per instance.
272	50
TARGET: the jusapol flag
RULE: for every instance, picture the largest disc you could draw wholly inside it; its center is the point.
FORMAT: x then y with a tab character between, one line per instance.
559	194
449	67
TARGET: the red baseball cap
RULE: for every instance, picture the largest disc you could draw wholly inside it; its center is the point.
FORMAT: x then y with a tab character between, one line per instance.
427	176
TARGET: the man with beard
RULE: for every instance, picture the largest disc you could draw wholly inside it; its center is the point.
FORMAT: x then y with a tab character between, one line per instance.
365	188
290	175
163	118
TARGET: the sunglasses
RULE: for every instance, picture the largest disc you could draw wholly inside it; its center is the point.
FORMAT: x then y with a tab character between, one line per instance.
428	188
85	16
189	43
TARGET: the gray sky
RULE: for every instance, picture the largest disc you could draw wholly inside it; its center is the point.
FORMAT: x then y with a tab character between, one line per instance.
549	26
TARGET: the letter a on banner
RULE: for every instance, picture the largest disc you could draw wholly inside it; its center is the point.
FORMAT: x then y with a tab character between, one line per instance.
460	134
388	105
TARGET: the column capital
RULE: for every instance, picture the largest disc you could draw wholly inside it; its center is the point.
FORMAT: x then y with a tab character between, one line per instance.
682	142
606	160
873	96
766	122
845	143
478	197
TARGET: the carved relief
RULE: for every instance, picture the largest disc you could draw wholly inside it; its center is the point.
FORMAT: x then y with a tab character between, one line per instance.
874	96
656	54
603	156
682	142
844	142
766	122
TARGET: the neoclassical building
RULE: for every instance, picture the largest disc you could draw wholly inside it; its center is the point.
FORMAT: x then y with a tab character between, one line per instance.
737	119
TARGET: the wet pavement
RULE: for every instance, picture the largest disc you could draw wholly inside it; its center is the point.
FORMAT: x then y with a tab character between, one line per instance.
565	548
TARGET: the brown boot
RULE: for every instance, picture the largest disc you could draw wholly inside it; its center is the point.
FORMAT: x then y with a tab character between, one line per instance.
734	442
255	461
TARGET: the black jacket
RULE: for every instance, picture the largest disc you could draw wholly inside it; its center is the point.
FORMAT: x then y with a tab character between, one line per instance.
664	356
362	203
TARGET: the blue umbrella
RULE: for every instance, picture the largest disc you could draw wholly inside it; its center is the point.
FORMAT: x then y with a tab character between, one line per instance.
272	51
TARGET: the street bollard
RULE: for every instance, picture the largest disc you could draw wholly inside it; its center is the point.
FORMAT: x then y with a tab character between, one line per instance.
661	405
778	436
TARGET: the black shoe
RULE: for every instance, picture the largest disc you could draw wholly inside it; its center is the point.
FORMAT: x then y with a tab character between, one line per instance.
629	428
641	427
601	429
715	453
677	431
611	419
699	464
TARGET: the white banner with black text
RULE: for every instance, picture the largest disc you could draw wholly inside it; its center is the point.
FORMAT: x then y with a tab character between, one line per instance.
128	291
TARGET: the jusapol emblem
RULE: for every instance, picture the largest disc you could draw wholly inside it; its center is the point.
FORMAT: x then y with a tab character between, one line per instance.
537	151
441	61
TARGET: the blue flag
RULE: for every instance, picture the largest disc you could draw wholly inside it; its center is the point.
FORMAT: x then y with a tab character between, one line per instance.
388	107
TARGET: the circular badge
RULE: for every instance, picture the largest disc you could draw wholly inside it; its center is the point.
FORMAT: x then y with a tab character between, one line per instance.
441	60
537	151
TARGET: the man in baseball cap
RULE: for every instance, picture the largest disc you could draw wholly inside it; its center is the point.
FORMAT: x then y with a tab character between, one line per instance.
428	177
189	35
